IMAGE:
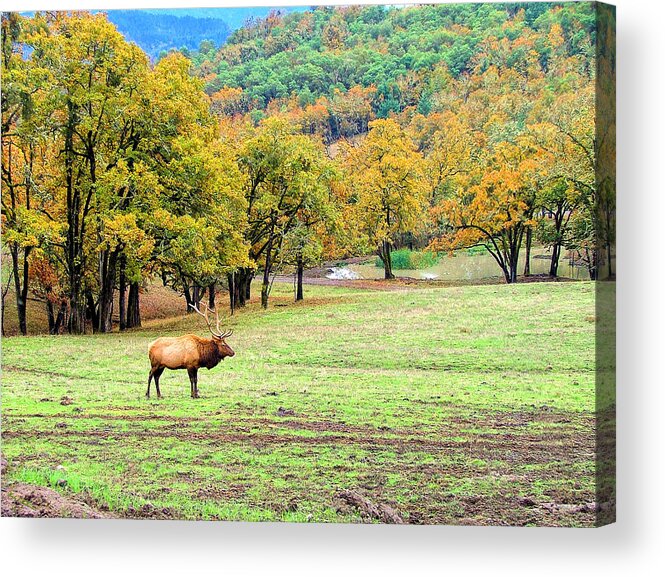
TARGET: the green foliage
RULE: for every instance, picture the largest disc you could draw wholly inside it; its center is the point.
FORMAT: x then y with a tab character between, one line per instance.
476	250
323	49
410	259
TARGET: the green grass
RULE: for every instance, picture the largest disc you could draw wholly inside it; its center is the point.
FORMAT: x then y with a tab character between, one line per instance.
448	404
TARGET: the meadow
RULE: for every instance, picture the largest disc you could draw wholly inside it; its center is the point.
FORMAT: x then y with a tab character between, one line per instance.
458	405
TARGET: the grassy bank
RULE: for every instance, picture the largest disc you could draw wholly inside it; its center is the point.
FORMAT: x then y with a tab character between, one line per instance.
459	405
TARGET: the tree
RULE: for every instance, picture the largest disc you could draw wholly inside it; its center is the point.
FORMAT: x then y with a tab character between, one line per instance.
199	227
351	111
568	159
494	209
317	224
448	147
389	194
91	100
284	174
26	155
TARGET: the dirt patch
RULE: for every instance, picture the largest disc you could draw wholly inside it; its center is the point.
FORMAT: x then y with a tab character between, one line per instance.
112	417
381	512
221	493
35	371
148	511
511	447
23	500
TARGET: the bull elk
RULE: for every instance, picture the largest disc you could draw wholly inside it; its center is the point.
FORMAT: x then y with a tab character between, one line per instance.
189	352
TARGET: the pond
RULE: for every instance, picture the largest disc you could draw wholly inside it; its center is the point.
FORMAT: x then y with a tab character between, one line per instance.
465	266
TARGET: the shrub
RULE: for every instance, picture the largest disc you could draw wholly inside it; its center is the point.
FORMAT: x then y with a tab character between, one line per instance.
408	259
476	250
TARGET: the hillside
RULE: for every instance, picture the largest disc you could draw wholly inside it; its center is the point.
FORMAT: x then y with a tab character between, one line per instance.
156	33
392	57
159	31
234	18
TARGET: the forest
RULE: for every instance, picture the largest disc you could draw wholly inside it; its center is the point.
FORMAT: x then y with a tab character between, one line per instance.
156	33
308	136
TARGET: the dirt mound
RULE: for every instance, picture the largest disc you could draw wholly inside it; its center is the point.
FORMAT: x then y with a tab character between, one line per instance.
22	500
381	512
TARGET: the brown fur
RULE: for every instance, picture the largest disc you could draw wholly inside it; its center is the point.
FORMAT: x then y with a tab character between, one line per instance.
209	355
189	352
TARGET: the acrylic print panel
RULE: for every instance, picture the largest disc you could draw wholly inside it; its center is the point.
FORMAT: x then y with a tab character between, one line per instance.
388	231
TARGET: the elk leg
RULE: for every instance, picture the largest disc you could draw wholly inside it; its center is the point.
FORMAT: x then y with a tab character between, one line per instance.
192	382
147	394
158	373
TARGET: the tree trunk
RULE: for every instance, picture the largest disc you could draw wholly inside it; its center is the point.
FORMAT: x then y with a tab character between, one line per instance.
248	286
241	281
122	289
2	305
55	322
188	296
76	321
91	310
211	296
301	267
21	286
592	263
196	296
133	310
59	320
554	262
77	209
233	297
107	268
266	275
51	317
511	276
527	262
384	255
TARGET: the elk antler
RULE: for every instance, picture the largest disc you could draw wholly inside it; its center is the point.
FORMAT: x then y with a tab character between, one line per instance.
219	334
205	316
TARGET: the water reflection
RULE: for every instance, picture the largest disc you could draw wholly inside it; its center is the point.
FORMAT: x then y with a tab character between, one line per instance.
464	266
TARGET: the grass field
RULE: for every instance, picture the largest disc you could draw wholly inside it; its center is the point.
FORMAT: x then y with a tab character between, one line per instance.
458	405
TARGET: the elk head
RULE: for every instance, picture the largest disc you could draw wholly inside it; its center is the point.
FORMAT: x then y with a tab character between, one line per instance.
218	336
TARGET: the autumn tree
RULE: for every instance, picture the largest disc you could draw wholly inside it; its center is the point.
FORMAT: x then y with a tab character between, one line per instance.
448	147
389	195
351	111
89	96
283	177
26	153
200	224
495	208
317	224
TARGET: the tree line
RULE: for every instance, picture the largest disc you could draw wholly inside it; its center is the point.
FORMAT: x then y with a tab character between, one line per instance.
116	172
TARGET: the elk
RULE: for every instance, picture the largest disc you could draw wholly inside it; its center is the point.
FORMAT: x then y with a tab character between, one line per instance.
189	352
